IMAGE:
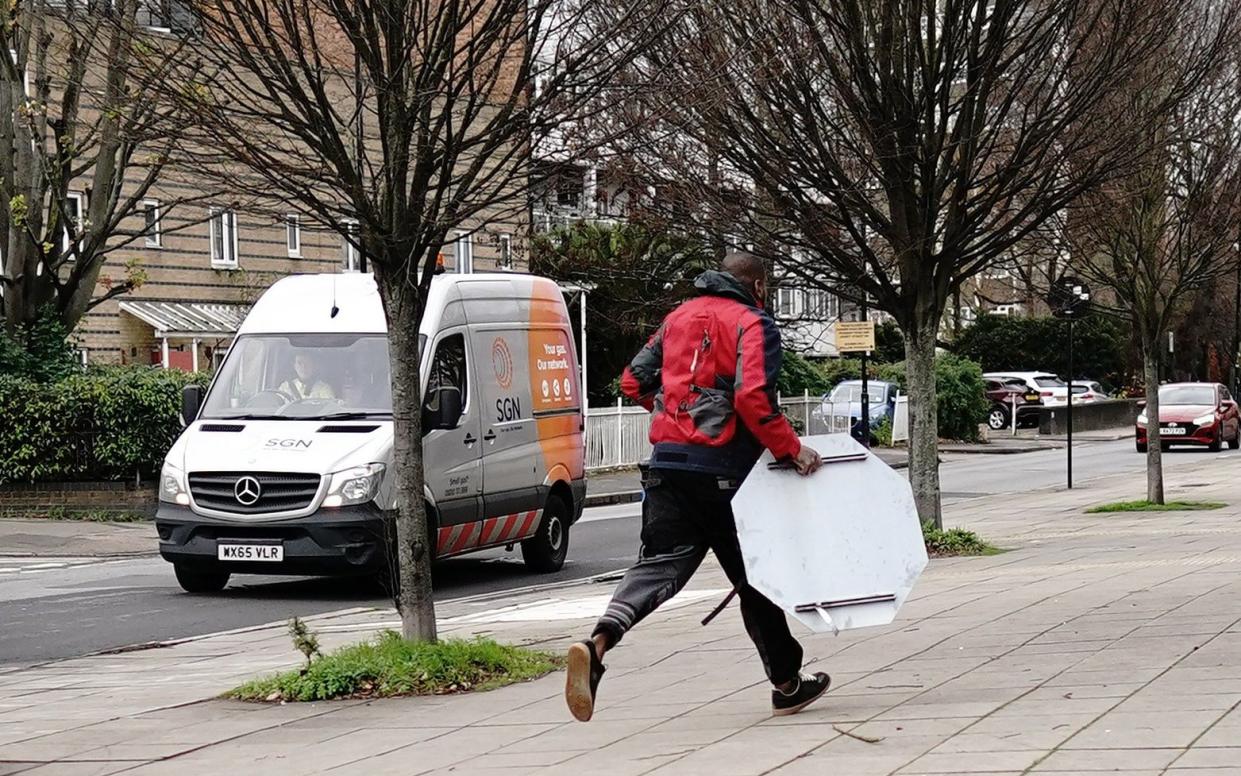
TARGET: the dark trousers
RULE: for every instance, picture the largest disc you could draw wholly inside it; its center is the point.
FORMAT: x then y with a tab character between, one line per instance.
685	514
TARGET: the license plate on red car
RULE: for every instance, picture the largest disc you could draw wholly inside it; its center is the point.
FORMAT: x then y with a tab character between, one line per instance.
1173	430
1032	397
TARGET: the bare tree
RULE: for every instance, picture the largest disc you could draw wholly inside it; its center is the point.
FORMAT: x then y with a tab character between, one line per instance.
73	113
1156	238
410	118
893	150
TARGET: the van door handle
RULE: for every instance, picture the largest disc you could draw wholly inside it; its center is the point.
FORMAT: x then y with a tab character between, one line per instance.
491	436
469	438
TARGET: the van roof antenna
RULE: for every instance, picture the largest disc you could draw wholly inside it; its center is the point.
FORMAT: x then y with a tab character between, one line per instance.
335	309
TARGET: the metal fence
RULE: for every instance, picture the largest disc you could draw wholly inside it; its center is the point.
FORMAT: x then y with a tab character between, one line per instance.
619	436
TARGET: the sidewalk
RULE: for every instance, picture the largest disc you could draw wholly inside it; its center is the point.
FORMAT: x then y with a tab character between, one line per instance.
1099	643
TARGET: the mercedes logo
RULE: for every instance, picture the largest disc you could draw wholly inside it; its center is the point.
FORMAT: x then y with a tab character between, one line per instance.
247	491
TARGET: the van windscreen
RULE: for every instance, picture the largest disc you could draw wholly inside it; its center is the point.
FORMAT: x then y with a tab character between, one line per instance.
303	376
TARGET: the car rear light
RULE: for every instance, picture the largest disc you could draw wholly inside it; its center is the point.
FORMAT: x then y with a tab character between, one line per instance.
1047	393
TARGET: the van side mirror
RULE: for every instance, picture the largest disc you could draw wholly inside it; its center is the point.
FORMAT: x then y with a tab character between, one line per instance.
442	409
191	403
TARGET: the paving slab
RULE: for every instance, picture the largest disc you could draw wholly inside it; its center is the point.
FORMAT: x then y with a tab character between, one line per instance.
1095	644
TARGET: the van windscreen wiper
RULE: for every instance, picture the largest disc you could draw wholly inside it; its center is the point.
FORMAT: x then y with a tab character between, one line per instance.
355	415
251	416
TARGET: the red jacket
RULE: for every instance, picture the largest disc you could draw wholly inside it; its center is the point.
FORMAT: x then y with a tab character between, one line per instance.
708	375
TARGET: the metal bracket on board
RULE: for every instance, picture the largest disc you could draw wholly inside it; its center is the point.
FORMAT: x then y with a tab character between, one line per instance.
846	458
882	598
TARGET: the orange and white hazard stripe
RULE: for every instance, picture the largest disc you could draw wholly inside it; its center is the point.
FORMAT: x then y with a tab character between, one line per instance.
492	532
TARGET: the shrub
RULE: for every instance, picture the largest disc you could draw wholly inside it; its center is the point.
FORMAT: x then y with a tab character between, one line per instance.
999	342
105	424
942	543
39	351
962	402
391	666
883	433
798	375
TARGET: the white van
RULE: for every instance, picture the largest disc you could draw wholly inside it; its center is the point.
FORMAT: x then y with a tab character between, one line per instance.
284	466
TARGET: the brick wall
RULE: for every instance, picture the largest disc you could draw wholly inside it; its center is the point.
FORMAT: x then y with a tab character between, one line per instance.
37	500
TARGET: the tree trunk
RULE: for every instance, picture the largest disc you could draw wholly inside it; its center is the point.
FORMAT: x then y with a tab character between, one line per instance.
414	601
923	422
1154	448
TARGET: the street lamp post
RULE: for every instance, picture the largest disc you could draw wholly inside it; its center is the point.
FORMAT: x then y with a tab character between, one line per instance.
1236	326
1070	299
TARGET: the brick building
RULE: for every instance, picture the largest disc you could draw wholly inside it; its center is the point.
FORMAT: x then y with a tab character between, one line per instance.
206	265
205	261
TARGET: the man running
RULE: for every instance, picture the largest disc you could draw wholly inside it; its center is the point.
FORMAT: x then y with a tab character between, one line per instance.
708	376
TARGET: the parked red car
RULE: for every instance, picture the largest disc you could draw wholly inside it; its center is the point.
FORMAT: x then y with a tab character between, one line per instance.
1193	414
1004	395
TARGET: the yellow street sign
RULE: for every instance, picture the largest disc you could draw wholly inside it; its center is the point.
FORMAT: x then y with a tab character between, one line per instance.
853	337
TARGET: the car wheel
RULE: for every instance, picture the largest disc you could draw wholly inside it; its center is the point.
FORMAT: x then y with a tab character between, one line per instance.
545	552
1235	442
200	580
1141	447
1217	443
997	419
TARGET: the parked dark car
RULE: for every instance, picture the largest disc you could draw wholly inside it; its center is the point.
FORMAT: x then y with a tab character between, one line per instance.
1202	414
1004	394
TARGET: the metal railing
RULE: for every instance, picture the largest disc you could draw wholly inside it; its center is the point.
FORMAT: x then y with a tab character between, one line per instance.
619	436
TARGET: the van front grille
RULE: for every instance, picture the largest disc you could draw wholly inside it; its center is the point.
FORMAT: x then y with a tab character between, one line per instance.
235	491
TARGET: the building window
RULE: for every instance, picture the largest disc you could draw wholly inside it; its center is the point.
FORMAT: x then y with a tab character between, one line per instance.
152	228
223	238
293	234
25	72
786	302
82	355
175	16
506	251
821	305
351	259
465	253
75	208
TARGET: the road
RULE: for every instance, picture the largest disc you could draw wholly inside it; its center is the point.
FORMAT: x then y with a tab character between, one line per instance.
67	612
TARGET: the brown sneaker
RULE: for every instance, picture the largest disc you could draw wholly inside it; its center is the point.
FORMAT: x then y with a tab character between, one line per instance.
582	680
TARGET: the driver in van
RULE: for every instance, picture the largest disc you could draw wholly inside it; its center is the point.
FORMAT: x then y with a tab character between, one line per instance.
306	385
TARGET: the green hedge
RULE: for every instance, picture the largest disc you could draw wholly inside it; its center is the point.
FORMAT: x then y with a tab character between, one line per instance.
1002	343
106	424
961	401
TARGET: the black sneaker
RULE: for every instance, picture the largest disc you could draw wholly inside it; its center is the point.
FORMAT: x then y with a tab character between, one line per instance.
809	689
584	674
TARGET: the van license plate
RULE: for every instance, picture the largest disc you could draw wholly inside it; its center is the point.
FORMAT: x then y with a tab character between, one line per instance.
273	553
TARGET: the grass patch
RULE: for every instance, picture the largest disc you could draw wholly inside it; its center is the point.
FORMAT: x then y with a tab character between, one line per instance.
955	542
390	666
1150	506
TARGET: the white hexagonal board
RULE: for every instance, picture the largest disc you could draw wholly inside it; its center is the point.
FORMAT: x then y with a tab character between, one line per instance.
839	549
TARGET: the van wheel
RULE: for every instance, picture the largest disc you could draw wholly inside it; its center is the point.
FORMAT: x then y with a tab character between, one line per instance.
199	580
546	551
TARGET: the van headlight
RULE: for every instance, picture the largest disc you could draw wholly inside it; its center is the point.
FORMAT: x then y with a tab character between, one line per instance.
354	486
172	486
1205	420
